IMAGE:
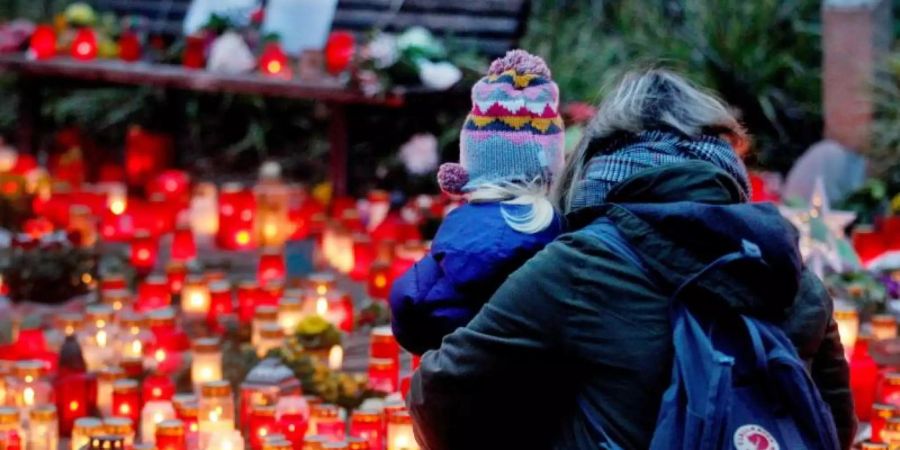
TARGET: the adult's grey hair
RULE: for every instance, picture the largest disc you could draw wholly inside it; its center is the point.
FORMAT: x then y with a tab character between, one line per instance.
644	100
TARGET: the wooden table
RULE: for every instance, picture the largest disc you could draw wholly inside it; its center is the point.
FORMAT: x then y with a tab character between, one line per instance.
34	75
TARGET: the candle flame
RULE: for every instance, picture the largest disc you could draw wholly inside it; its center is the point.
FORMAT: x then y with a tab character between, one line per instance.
143	254
28	396
156	392
135	330
157	418
83	48
73	405
101	338
263	432
380	281
125	409
270	230
321	289
117	206
136	347
197	299
29	378
401	442
160	355
336	357
100	323
322	306
242	237
70	330
274	67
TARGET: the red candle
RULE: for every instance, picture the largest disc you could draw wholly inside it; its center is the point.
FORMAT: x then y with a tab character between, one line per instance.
343	309
174	185
271	267
146	154
74	399
144	249
153	293
176	272
84	46
183	247
220	302
379	286
236	218
327	422
170	435
193	57
339	51
274	62
132	366
384	375
383	345
127	400
43	43
863	379
129	47
363	257
365	424
890	389
880	415
293	426
158	387
262	424
248	294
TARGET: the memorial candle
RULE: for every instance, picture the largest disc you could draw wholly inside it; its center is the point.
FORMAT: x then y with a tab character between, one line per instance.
384	375
117	198
84	46
382	344
292	413
158	386
216	412
400	434
129	47
154	412
880	414
183	246
127	399
187	411
271	336
195	297
70	323
226	440
884	326
153	294
106	442
236	218
263	314
290	312
221	302
83	430
379	285
106	377
42	45
176	273
847	318
120	426
144	250
207	362
28	386
367	424
248	298
324	420
262	424
170	435
274	62
271	267
43	429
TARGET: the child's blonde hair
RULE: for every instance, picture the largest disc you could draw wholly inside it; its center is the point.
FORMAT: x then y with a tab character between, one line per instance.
533	194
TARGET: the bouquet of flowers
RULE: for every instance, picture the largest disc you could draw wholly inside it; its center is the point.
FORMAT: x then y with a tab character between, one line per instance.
414	57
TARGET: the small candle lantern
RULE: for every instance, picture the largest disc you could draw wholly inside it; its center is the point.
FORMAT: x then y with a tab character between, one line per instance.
207	362
880	414
847	318
113	281
42	44
195	297
884	326
290	311
248	294
144	250
226	440
28	386
70	323
400	434
129	47
216	410
116	198
292	412
116	298
176	273
271	267
12	434
43	428
127	399
106	442
384	375
379	284
367	424
321	283
274	62
84	46
170	435
183	246
263	314
383	345
204	211
265	384
106	377
153	294
236	218
271	336
158	386
82	222
262	424
325	420
187	411
120	426
154	412
85	428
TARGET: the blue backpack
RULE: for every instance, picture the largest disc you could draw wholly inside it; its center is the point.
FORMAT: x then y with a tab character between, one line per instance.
737	382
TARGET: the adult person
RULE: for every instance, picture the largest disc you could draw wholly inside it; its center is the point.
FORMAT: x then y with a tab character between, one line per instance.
585	324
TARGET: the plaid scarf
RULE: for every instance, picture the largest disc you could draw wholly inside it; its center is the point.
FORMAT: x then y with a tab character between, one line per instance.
624	156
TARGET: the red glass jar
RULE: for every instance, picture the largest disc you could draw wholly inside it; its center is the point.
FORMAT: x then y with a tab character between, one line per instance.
153	293
183	246
158	387
127	400
325	421
383	344
379	284
144	251
170	435
262	425
220	302
248	294
237	208
384	375
84	45
271	267
880	414
368	425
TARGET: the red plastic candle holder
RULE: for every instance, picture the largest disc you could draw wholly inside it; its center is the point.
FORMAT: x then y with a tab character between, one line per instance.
384	375
158	387
171	435
274	62
879	416
363	257
379	285
368	425
153	293
127	400
293	426
262	425
236	218
339	51
74	399
183	246
221	302
383	345
43	43
271	267
129	47
144	251
84	46
248	294
176	272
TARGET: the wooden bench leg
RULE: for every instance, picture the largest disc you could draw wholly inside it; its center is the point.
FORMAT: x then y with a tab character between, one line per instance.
29	115
338	135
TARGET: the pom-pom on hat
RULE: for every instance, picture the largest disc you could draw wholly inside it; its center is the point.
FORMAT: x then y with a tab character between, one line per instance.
514	132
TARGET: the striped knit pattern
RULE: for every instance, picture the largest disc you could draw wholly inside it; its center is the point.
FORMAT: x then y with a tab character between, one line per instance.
514	132
623	158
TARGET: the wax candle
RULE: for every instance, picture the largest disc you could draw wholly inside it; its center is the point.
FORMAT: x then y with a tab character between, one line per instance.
74	398
43	428
292	413
271	267
400	434
183	246
271	336
290	312
153	294
248	294
120	426
379	284
170	435
367	424
384	375
262	424
880	414
383	345
106	377
263	314
884	326
84	45
195	297
187	411
226	440
70	323
106	442
847	318
216	411
158	386
28	386
204	211
207	362
144	250
324	420
84	429
221	303
117	299
127	399
154	412
42	44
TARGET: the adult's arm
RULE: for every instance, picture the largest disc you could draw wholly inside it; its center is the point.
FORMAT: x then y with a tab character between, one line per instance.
487	385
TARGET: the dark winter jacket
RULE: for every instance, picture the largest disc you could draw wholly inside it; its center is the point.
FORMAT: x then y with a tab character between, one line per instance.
579	320
473	252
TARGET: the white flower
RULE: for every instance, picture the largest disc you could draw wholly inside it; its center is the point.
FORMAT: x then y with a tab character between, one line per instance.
383	50
440	75
415	37
230	54
420	154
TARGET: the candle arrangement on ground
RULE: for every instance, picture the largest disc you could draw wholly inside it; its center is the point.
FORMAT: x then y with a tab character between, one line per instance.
199	334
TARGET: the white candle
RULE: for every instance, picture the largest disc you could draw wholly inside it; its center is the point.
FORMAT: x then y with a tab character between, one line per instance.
154	412
226	440
207	362
195	298
290	312
336	357
847	319
400	434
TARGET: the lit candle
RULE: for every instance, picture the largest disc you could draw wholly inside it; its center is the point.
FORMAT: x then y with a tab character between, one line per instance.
84	46
84	429
290	312
236	218
271	336
207	362
82	222
367	424
847	319
154	412
336	357
153	293
324	420
226	440
274	62
292	412
126	399
195	297
116	298
271	267
43	429
880	414
221	303
383	345
204	211
120	426
400	434
248	294
263	314
884	326
70	323
183	246
106	443
262	424
106	377
176	272
158	386
170	435
321	283
216	411
383	375
144	249
28	386
116	198
42	45
187	411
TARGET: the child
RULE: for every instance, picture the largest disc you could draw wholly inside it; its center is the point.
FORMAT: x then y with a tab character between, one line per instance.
510	147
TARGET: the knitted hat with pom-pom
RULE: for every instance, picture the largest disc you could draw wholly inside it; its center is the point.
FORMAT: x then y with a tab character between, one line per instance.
514	132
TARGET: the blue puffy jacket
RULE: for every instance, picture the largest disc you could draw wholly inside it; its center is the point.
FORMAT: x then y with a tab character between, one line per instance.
471	256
